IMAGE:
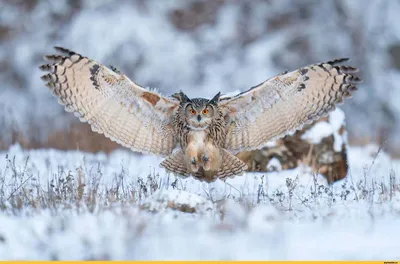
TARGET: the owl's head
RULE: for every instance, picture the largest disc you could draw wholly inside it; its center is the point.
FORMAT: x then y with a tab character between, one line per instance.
198	113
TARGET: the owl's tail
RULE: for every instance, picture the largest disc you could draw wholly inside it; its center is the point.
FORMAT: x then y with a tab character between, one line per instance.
230	166
175	163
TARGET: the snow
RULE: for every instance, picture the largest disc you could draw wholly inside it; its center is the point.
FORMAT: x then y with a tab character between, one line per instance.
163	199
325	129
274	164
255	216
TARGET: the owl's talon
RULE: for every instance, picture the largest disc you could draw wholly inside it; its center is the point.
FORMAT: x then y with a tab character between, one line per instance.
206	163
194	167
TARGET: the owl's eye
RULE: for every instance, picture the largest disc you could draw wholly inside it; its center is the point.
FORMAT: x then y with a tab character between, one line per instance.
191	111
205	111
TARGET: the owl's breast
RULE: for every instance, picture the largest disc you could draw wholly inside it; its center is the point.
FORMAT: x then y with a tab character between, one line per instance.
197	137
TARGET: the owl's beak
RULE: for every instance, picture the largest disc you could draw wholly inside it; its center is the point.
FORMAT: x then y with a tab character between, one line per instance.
199	118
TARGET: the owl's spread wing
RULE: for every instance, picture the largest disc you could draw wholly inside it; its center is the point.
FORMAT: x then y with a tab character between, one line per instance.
285	103
111	103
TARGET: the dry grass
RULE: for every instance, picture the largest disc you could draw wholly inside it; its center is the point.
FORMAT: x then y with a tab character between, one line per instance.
72	194
80	190
83	190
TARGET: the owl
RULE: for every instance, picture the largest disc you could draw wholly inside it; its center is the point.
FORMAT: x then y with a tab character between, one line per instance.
198	137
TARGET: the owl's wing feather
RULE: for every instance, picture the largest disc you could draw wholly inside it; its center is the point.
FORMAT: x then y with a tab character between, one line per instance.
285	103
111	103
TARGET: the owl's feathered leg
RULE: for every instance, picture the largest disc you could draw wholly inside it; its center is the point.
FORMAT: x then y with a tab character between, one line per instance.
211	158
192	158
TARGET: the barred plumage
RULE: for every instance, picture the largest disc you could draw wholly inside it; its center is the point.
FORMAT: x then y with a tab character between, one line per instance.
207	132
285	103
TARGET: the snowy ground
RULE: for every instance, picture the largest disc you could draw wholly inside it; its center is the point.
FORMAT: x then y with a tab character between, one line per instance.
74	205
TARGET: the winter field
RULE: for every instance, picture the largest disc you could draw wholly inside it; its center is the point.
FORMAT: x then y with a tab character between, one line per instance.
74	205
77	205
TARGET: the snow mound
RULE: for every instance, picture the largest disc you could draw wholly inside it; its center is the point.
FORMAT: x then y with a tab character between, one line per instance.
325	129
177	200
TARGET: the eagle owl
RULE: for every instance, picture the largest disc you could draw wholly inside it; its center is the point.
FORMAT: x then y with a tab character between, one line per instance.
198	136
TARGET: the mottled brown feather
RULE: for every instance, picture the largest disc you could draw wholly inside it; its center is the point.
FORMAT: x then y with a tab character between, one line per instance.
285	103
111	103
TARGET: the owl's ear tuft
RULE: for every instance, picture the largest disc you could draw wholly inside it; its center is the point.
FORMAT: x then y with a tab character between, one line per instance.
181	97
215	99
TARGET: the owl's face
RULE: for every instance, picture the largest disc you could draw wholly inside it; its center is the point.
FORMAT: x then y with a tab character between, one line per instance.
199	113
